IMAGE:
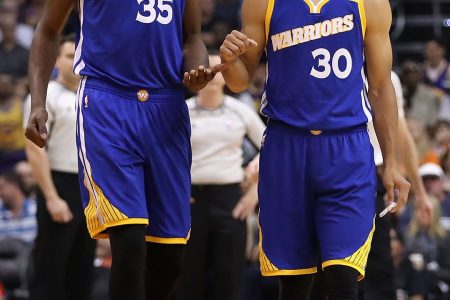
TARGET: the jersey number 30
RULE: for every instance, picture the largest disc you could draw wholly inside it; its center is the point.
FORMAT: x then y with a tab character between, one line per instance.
163	16
323	57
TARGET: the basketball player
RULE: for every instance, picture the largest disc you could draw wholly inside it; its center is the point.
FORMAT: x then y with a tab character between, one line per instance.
132	128
317	173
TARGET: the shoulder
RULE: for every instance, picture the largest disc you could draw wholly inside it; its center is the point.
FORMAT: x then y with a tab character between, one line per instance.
234	103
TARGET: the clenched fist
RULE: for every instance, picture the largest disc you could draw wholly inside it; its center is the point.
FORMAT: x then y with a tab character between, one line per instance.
235	44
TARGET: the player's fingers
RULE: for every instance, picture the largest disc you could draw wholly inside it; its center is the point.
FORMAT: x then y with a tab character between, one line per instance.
403	191
225	53
219	68
232	47
248	41
389	192
186	79
241	44
209	74
193	78
201	74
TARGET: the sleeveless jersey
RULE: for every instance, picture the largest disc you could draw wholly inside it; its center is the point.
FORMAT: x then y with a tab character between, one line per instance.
133	43
316	64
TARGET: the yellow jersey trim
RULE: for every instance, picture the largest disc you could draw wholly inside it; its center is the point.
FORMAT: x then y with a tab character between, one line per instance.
168	241
97	232
269	12
342	262
289	272
362	15
315	8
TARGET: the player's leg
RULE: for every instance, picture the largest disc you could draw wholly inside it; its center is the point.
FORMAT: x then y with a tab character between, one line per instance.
163	268
295	287
111	175
345	181
127	270
168	190
341	283
228	242
193	283
287	236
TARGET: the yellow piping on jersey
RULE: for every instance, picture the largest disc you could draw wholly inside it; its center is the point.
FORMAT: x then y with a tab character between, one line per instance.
315	8
362	15
269	12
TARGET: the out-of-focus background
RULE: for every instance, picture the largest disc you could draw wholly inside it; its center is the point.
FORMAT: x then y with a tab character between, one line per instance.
420	246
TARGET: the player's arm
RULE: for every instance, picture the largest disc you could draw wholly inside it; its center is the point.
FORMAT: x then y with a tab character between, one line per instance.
241	51
43	53
196	63
378	54
38	159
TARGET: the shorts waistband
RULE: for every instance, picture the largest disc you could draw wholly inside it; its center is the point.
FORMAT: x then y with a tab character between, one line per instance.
319	132
133	93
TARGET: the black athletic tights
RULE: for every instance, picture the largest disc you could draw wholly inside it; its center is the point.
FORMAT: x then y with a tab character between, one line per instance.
142	270
341	283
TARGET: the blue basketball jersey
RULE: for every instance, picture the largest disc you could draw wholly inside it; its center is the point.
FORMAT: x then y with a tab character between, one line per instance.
315	66
132	43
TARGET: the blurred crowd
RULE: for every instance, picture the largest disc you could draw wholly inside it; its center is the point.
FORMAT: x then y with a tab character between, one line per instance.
420	244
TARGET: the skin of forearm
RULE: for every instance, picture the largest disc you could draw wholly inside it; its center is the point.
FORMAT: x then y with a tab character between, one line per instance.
237	77
195	53
38	160
385	119
43	55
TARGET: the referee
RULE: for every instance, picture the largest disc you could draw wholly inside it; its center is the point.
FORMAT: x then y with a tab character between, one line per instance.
219	208
64	252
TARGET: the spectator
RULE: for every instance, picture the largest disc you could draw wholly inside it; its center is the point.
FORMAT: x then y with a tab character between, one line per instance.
23	169
428	245
219	207
409	277
442	137
64	251
11	133
13	57
17	213
437	71
421	103
24	33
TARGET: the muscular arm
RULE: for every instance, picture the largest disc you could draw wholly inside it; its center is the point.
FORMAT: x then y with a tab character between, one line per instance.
195	53
378	54
240	71
43	54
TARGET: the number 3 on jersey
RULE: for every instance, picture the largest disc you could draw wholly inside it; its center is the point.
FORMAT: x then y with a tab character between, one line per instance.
164	16
323	57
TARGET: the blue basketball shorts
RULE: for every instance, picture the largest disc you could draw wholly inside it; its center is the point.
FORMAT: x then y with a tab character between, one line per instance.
134	160
317	199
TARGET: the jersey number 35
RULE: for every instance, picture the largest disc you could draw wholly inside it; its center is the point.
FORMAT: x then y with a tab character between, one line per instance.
160	12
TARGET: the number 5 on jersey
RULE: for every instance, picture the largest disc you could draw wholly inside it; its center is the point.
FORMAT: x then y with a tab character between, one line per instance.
164	16
324	57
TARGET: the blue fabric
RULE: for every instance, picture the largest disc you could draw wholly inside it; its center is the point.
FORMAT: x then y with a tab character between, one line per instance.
114	45
139	155
294	95
317	195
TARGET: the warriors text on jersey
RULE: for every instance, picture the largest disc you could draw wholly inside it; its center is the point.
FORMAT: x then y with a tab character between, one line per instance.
316	64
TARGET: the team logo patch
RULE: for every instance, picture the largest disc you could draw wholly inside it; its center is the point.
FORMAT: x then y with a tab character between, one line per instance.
86	101
316	132
143	95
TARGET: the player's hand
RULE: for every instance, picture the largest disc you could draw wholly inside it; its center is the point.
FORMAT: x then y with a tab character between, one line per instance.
195	80
235	44
397	188
59	210
36	130
246	205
